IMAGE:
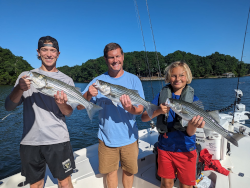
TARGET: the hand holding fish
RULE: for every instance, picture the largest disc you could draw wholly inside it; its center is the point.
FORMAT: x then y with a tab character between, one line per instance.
127	105
195	122
194	115
92	90
115	92
60	98
61	101
163	109
24	84
126	102
68	97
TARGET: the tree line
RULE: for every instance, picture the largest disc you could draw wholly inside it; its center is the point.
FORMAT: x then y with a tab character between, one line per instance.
11	66
146	64
142	64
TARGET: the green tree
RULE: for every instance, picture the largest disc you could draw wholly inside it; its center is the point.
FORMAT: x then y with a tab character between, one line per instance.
140	63
11	66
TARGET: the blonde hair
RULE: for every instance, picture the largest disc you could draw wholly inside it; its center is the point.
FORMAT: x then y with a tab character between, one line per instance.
182	64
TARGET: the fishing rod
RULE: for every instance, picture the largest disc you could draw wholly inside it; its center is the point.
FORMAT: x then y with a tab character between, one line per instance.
159	75
238	96
136	6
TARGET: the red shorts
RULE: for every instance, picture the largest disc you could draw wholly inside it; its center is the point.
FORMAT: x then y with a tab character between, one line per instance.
184	163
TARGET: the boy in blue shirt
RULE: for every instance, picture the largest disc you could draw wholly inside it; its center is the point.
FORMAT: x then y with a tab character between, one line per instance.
176	148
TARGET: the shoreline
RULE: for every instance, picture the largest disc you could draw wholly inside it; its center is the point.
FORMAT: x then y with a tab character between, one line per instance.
153	78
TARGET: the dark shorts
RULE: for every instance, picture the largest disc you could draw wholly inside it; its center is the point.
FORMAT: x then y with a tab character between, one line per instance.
59	158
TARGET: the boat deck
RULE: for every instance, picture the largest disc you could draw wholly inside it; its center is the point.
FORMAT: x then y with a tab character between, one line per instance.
87	174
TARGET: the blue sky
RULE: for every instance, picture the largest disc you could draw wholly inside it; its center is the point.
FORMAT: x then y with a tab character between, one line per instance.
84	27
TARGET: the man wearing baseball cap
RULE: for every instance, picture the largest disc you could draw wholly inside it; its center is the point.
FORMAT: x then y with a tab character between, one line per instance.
45	138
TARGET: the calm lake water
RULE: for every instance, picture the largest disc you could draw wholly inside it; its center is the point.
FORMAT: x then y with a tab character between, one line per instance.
214	93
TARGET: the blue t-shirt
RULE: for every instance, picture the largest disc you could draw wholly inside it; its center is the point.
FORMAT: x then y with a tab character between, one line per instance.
177	141
117	127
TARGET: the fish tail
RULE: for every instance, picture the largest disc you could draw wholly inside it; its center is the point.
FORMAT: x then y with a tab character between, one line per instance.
232	139
92	109
236	137
150	108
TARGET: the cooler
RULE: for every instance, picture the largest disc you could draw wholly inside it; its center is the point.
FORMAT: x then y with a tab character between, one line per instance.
213	142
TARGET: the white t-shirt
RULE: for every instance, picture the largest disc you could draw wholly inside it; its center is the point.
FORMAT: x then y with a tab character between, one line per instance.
43	122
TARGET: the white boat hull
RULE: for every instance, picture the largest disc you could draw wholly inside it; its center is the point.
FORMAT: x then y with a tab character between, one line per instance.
87	174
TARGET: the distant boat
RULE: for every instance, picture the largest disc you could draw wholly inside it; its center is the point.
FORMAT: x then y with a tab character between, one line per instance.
228	74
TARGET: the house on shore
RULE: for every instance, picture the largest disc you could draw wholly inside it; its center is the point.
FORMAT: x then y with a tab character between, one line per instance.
228	74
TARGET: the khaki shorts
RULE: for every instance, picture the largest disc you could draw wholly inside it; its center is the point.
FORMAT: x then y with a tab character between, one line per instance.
109	158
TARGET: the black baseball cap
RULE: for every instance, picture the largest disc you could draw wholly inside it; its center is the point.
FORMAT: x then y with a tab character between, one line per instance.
47	39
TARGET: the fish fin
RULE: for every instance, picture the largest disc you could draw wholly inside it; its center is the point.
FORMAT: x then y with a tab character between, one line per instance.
208	132
73	104
183	111
92	109
136	91
215	115
113	96
115	103
150	108
184	115
106	92
199	104
78	89
48	87
184	122
237	136
178	107
44	88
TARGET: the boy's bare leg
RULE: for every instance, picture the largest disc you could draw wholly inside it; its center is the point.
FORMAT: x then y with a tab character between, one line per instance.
167	183
185	186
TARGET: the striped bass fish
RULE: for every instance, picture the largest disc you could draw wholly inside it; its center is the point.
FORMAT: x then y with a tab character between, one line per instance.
188	110
49	86
114	92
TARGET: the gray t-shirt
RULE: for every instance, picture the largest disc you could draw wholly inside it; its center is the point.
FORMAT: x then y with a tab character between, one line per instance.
43	122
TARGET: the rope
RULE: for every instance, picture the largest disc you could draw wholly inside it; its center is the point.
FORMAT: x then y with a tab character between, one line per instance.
240	66
7	116
223	109
154	42
136	6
